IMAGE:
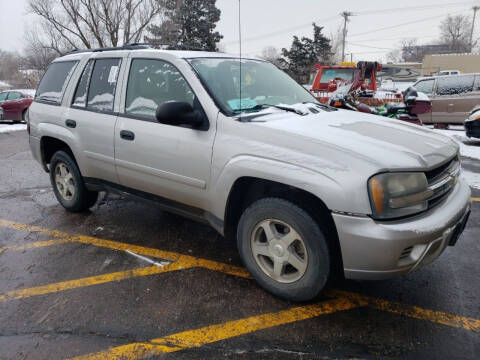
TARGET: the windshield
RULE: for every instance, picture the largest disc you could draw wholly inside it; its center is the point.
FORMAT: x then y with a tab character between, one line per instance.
262	84
330	74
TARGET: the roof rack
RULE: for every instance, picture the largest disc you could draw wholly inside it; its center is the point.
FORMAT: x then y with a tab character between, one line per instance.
137	46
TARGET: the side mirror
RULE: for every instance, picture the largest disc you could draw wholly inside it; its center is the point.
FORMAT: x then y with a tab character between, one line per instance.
179	113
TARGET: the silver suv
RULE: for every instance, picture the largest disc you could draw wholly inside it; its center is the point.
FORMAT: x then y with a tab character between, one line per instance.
307	191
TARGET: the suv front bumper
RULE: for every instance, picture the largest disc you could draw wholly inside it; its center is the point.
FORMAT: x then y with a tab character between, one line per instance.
373	250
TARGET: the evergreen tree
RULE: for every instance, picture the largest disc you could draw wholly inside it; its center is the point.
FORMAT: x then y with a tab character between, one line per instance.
188	22
304	53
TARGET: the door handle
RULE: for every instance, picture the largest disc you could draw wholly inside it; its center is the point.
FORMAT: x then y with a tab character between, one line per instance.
127	135
71	123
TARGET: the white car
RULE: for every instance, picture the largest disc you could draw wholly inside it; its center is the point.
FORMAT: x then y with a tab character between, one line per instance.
304	189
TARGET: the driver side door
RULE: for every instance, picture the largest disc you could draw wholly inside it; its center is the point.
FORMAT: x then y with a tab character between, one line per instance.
169	161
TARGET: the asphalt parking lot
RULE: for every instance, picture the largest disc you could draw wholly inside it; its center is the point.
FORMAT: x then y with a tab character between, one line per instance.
70	287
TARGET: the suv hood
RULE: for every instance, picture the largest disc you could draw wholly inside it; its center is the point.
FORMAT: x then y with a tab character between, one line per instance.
386	143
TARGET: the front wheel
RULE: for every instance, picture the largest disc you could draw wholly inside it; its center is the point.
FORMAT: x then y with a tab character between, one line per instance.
68	185
284	249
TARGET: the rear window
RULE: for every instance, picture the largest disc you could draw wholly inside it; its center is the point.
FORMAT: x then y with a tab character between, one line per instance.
331	74
455	85
55	81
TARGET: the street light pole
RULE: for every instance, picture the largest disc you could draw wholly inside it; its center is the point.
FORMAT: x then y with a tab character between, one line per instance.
345	15
475	9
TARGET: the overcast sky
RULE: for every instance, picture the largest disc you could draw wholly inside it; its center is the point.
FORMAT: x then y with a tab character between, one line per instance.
371	34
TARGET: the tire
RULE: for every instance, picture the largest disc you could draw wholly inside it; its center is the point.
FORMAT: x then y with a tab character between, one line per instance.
72	193
300	283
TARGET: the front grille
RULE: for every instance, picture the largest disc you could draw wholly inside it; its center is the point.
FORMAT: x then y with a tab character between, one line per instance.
442	180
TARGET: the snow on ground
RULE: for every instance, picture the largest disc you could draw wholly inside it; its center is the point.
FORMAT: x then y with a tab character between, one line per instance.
469	147
6	128
472	178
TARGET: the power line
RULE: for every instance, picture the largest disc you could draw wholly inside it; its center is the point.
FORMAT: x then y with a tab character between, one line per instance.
413	8
284	31
368	46
403	24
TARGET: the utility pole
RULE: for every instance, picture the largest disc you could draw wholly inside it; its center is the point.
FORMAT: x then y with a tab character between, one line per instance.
345	15
475	9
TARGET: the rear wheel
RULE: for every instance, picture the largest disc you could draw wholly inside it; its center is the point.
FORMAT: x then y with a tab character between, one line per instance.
284	249
68	185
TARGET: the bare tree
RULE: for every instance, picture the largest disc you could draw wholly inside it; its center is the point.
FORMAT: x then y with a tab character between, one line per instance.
455	33
271	54
395	56
75	24
336	40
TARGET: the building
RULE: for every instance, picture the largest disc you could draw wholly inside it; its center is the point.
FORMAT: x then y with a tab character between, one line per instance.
466	63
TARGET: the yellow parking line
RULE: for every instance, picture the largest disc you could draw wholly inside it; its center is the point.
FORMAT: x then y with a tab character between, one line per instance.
87	281
210	334
186	261
38	244
412	311
31	228
476	199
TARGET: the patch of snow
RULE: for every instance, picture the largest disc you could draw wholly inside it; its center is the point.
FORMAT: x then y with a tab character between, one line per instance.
5	128
472	178
468	147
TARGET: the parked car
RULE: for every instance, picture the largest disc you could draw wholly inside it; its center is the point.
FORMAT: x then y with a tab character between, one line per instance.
448	72
15	104
452	97
472	124
307	191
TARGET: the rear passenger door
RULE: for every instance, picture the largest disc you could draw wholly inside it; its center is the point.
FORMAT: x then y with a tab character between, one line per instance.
453	98
169	161
92	116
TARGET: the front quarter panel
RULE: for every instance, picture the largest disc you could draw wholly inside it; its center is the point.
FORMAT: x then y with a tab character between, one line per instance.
247	150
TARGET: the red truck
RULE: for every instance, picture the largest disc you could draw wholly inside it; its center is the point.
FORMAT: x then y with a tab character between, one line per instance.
15	103
360	77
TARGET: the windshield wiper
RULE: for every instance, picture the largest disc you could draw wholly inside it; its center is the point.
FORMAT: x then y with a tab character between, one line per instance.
325	106
266	106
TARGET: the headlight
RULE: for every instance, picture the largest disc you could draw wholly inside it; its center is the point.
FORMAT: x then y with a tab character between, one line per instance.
393	195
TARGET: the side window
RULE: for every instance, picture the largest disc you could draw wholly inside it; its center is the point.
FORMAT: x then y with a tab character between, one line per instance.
103	82
3	96
425	86
14	95
455	85
55	81
80	98
152	83
476	86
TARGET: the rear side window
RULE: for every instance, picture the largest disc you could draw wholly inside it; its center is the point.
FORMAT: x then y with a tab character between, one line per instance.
54	82
152	83
3	96
101	93
455	85
476	86
425	86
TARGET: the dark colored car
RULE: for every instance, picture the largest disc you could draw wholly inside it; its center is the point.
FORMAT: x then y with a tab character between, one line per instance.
472	124
15	104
